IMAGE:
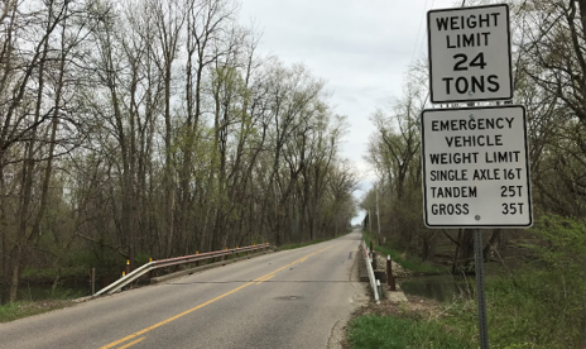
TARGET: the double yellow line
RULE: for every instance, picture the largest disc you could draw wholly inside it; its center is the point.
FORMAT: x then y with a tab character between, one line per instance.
164	322
264	278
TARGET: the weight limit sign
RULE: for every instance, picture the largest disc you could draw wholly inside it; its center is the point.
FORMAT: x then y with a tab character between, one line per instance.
476	168
469	54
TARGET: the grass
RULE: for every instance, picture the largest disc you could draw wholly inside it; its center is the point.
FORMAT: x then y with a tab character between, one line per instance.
36	300
539	305
410	262
534	309
21	309
382	332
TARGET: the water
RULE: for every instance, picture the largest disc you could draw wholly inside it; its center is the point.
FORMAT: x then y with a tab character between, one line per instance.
41	292
442	288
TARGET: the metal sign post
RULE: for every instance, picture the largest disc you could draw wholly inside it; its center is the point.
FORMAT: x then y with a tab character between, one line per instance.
480	297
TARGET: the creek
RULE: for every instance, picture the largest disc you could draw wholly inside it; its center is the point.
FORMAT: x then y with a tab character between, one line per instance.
442	288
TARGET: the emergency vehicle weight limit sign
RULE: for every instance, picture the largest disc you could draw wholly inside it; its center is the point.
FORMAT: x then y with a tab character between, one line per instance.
476	168
470	54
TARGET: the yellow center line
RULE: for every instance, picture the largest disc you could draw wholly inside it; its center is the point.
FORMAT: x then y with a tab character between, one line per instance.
132	343
265	279
261	279
164	322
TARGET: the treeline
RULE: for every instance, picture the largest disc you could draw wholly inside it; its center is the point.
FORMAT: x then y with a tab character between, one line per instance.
549	71
153	128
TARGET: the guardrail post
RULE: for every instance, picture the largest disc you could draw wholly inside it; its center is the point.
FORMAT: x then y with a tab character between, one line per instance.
372	255
390	277
93	281
128	269
371	276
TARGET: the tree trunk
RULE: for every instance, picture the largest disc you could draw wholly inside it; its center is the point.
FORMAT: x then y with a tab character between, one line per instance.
14	282
464	254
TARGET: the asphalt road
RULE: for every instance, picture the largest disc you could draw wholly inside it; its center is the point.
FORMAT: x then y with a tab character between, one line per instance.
290	299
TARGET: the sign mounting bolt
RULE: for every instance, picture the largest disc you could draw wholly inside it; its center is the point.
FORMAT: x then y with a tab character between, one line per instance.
472	116
477	217
471	93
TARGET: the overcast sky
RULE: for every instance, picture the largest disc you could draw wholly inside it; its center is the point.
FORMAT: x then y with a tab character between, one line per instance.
362	48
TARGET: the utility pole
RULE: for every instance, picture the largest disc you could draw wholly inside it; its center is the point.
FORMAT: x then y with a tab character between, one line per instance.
377	215
584	27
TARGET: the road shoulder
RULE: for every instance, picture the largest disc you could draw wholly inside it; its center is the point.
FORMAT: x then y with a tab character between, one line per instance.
360	299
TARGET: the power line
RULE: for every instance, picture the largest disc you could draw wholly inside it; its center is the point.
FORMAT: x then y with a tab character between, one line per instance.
419	31
427	96
423	42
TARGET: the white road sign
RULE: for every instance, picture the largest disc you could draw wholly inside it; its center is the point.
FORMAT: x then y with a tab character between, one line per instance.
470	54
476	168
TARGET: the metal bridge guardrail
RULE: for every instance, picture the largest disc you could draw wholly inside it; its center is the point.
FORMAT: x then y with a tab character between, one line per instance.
371	276
140	271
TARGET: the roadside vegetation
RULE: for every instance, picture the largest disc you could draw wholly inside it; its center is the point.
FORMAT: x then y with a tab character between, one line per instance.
17	310
537	306
536	290
409	262
405	332
139	129
38	300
